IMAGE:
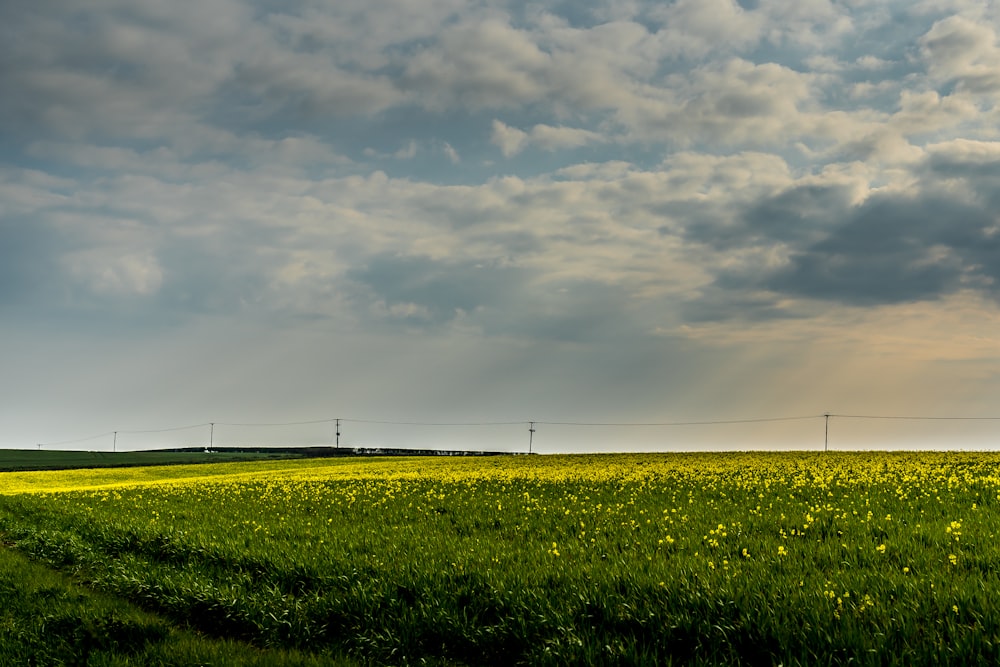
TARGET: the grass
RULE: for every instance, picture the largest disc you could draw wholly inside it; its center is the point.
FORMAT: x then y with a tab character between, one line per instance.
757	559
30	459
48	619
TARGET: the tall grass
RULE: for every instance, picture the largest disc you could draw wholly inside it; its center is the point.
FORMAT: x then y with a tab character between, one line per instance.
47	619
871	559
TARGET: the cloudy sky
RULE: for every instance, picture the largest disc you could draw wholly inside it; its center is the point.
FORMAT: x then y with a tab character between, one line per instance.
500	210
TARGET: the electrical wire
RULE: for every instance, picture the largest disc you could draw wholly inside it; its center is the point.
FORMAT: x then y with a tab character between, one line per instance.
313	421
71	442
529	423
687	423
409	423
167	430
915	417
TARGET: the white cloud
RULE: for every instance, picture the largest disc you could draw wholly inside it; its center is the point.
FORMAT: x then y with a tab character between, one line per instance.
966	150
883	145
451	153
870	62
728	103
478	65
510	140
961	50
590	170
311	85
813	24
361	32
557	138
698	28
407	152
116	274
925	112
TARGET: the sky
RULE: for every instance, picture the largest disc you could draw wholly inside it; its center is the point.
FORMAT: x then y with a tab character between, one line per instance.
482	211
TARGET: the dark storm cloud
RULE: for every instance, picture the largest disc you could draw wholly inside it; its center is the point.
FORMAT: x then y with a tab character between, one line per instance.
893	249
975	164
799	213
729	299
975	234
794	216
811	244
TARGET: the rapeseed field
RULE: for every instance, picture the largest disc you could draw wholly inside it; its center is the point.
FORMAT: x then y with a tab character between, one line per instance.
732	558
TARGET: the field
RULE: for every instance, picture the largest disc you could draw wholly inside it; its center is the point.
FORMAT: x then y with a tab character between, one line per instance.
756	558
29	459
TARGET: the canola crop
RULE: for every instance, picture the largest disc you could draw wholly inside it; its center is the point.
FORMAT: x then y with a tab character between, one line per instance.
733	558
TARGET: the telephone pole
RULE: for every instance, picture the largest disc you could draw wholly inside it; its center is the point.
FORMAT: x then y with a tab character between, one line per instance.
531	434
826	434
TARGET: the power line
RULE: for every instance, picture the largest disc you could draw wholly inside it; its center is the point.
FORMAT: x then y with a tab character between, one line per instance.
367	421
530	424
72	442
914	417
304	423
687	423
167	430
115	434
408	423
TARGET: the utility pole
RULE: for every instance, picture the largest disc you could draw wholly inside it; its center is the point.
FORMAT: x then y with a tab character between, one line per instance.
826	434
338	434
531	434
114	443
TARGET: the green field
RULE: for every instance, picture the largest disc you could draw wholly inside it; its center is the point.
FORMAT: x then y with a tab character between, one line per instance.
757	559
30	459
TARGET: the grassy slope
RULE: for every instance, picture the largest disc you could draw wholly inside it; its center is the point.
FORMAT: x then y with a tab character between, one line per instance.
47	619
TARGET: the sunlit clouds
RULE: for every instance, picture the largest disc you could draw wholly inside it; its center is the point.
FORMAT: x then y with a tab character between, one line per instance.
600	209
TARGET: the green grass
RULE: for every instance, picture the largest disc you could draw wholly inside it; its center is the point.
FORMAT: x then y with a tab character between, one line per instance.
48	619
756	559
30	459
